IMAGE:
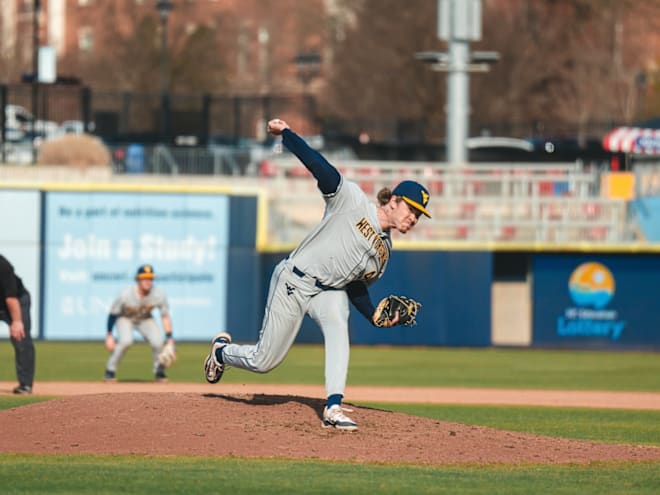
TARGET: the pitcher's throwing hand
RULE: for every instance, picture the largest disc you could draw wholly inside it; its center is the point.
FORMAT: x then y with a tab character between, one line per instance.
276	126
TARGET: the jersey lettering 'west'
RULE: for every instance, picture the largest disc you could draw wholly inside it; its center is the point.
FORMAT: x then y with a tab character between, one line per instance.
372	236
348	244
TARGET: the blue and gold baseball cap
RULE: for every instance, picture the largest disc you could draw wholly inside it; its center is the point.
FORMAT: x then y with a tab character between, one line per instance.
413	193
145	271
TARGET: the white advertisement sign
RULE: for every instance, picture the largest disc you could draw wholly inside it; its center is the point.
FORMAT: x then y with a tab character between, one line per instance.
95	241
19	242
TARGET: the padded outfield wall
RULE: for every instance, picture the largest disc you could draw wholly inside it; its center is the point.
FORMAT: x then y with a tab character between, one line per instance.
596	299
76	247
453	287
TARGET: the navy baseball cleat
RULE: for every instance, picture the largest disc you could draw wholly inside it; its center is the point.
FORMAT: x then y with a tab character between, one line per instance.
213	368
334	417
160	375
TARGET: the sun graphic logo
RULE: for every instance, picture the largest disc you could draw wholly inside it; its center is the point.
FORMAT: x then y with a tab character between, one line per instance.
591	285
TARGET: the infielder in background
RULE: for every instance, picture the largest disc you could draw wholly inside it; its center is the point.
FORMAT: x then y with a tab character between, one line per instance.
15	312
347	251
132	310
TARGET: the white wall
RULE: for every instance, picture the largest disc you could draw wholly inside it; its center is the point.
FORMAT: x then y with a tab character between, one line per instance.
20	222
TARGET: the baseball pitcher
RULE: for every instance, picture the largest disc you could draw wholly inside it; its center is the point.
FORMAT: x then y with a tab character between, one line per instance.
335	263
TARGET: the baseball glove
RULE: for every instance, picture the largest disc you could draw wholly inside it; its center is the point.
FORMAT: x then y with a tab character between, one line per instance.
167	354
388	307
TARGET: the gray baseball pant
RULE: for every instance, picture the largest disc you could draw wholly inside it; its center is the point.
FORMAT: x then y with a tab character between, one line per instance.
147	328
24	354
290	297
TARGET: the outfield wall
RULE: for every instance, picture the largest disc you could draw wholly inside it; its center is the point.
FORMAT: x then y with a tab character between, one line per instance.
20	234
77	247
596	300
453	287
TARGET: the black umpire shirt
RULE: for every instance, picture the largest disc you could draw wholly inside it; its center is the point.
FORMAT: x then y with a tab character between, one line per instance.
10	284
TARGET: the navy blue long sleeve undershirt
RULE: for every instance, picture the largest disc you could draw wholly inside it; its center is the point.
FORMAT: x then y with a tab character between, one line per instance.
111	322
328	179
327	176
359	295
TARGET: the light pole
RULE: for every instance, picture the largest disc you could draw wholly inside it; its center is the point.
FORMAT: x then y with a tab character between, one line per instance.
308	66
459	23
164	7
36	9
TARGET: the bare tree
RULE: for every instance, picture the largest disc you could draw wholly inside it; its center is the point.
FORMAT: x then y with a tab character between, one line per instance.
375	74
131	55
565	64
568	61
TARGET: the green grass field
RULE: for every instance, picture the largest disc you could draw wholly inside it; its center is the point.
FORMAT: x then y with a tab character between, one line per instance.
101	475
523	369
386	366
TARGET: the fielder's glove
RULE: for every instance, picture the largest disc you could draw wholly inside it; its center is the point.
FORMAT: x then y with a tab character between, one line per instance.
388	307
167	354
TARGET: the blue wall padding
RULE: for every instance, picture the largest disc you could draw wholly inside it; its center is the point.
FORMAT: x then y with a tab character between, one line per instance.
454	288
244	278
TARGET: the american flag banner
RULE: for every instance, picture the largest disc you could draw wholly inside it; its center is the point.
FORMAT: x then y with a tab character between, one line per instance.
634	140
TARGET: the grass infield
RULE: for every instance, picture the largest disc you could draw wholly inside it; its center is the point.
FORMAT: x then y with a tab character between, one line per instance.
381	366
603	425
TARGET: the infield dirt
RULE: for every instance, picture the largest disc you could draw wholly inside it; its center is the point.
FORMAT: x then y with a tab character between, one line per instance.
273	425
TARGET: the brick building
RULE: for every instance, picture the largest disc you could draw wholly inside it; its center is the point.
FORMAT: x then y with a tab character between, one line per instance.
258	40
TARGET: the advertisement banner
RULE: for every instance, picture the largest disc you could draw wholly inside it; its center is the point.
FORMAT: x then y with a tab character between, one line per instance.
20	224
596	300
95	241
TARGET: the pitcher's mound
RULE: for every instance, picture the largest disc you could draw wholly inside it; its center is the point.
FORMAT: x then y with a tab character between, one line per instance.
275	426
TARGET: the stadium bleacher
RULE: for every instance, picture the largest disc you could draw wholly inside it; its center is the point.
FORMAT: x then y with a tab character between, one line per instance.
507	203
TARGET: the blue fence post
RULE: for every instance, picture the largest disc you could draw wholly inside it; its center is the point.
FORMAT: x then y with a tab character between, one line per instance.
135	159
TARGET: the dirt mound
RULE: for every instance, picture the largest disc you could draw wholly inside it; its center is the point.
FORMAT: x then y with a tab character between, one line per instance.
275	426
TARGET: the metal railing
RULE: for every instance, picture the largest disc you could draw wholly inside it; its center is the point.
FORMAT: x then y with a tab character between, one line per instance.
165	160
546	220
647	178
556	203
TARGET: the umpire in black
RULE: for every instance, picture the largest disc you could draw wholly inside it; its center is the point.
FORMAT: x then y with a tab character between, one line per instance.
15	311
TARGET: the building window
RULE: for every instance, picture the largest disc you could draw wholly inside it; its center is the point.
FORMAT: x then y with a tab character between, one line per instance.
243	51
85	39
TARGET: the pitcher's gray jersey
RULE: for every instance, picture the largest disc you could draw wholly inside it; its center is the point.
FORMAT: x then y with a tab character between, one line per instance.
348	244
129	305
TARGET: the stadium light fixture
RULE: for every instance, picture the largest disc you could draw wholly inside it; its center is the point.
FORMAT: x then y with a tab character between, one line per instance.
459	23
164	7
